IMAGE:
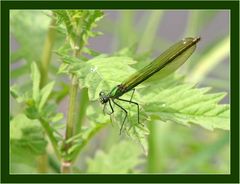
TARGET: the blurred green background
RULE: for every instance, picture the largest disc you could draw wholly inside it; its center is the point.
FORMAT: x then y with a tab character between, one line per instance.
172	148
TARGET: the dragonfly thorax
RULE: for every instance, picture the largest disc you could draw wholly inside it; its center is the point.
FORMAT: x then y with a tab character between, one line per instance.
103	97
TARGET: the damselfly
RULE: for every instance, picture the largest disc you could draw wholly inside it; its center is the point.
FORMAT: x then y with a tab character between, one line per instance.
166	63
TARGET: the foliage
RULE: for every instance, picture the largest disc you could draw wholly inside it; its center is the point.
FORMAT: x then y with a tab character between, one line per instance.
26	138
35	100
169	102
121	158
186	104
183	103
34	24
78	25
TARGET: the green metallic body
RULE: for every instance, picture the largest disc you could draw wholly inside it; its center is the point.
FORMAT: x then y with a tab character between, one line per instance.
167	62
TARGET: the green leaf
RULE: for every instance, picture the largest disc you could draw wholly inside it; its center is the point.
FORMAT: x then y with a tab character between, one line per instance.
57	117
185	104
61	91
96	121
81	139
26	143
44	94
91	52
95	114
137	132
27	133
17	93
121	158
35	74
96	75
31	110
78	25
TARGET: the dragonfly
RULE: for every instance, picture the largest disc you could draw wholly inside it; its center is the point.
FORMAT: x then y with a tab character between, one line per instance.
165	64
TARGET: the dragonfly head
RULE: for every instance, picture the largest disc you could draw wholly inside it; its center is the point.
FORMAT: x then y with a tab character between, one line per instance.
103	97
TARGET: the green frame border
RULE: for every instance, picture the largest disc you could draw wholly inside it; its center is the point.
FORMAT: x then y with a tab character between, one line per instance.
134	178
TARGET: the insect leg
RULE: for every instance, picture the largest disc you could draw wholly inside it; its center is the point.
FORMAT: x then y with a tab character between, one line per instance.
126	114
136	105
110	104
132	94
104	107
110	107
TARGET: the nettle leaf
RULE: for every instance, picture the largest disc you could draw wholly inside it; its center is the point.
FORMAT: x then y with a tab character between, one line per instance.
96	75
137	132
19	94
185	104
91	52
78	25
31	111
81	139
57	117
36	100
27	133
90	22
26	143
96	121
133	129
39	108
44	93
96	115
121	158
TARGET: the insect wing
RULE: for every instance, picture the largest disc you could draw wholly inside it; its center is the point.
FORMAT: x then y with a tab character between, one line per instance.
165	64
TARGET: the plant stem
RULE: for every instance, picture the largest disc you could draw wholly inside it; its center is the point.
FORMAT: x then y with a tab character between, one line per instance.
42	164
72	108
151	149
66	164
83	103
54	163
157	146
208	61
47	52
51	137
149	34
66	167
44	66
85	141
